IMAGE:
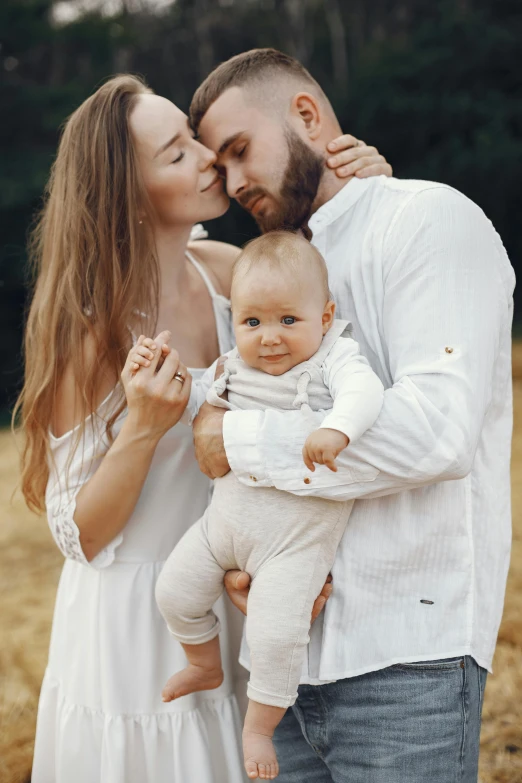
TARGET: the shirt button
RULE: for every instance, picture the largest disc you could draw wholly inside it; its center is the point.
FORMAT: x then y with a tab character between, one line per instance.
307	480
252	478
448	350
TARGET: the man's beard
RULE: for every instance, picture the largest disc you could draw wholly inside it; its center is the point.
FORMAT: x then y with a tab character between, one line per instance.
298	191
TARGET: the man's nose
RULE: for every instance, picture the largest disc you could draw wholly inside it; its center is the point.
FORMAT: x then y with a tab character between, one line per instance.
235	182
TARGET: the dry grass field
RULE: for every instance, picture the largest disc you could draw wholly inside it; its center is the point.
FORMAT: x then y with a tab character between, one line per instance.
29	570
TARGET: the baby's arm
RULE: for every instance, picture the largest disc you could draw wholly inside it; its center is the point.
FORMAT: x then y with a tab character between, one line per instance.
323	446
358	396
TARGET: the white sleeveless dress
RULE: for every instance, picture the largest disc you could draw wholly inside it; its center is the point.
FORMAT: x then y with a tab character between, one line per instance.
100	717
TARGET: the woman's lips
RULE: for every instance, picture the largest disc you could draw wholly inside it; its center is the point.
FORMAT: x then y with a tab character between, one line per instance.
212	185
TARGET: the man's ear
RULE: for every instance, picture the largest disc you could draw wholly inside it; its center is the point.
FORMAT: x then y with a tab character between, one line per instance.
328	316
306	109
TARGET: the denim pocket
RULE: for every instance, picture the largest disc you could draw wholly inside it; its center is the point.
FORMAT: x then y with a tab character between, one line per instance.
442	663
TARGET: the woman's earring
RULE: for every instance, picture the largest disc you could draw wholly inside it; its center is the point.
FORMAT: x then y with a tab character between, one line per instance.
140	222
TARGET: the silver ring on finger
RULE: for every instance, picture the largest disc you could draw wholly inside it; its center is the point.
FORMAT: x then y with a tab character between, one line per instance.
179	377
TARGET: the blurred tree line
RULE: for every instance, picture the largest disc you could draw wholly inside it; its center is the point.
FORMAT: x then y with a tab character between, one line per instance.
435	84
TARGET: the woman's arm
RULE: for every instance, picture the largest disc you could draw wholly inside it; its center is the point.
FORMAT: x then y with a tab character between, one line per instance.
155	401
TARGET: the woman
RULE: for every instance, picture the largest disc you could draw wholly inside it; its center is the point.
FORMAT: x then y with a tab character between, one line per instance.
111	462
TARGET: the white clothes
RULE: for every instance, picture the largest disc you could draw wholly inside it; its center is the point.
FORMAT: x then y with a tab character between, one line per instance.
101	718
337	378
420	573
286	543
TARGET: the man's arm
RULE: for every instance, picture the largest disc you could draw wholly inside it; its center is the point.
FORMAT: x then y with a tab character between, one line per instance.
447	297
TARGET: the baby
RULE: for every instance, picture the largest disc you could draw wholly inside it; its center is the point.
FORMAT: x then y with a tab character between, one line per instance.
291	353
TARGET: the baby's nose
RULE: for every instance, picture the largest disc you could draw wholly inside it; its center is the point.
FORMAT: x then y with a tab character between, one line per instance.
271	337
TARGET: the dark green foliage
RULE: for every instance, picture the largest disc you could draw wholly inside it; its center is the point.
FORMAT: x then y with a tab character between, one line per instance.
435	85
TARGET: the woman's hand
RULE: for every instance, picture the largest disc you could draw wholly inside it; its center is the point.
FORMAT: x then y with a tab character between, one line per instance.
350	157
157	395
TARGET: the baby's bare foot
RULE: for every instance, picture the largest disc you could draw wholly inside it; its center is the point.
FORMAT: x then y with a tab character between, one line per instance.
260	756
193	678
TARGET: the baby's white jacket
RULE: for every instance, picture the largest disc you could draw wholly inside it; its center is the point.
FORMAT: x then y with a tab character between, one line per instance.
337	378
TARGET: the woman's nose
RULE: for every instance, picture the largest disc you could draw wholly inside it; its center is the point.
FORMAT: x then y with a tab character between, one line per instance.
207	159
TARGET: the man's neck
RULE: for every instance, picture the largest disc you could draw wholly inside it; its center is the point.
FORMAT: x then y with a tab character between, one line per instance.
329	187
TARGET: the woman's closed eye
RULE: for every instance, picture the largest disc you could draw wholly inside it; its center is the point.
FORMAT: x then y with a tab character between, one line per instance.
181	155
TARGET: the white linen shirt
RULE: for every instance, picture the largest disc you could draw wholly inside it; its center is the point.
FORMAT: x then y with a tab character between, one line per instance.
420	573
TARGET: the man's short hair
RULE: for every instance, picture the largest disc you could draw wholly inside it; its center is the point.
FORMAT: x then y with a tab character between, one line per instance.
283	251
256	65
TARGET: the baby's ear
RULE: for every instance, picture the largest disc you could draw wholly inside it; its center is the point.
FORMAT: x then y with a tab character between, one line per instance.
328	315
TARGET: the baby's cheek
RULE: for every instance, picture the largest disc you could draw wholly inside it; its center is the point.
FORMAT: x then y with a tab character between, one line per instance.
247	349
306	344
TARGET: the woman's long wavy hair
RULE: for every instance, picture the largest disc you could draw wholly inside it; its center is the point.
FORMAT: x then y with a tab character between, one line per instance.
95	271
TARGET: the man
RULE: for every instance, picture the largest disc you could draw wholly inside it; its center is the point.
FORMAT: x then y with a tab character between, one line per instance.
397	663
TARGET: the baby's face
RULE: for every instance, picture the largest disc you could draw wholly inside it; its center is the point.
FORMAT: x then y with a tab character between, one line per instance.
278	322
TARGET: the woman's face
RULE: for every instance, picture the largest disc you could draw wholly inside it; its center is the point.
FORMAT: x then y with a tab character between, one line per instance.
178	171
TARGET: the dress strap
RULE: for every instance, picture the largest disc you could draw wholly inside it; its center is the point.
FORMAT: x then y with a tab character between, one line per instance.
206	279
221	307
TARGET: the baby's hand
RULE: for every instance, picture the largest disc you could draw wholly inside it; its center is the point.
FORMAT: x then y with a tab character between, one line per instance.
322	446
141	354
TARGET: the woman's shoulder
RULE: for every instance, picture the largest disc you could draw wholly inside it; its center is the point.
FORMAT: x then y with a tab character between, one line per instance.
218	259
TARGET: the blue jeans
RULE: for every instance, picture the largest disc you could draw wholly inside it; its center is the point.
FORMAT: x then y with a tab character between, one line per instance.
409	723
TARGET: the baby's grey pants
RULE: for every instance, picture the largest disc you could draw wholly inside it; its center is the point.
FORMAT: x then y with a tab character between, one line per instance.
287	544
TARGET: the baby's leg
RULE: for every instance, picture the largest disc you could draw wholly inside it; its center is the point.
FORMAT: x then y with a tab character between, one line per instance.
278	623
203	673
189	584
259	753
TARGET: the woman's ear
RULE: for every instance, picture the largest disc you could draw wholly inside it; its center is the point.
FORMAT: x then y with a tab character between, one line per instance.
305	108
328	316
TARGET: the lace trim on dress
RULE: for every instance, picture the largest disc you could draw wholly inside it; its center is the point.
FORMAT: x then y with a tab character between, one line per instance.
65	531
67	536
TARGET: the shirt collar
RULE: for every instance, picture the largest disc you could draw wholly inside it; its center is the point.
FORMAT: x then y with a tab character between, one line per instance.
338	204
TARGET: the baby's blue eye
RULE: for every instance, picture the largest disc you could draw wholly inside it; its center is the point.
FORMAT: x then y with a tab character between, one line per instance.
253	321
288	320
